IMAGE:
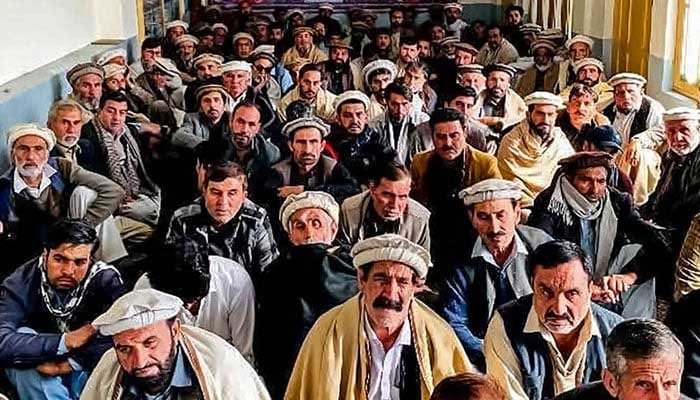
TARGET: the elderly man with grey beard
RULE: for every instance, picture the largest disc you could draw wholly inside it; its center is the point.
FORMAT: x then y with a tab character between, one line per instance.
38	190
86	81
308	279
645	362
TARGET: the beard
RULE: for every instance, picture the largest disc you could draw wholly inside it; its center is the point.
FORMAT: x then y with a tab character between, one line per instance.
29	170
158	383
542	130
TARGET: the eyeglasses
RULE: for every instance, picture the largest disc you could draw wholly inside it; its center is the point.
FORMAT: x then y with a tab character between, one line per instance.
260	68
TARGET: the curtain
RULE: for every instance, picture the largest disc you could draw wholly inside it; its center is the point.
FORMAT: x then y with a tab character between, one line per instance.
548	13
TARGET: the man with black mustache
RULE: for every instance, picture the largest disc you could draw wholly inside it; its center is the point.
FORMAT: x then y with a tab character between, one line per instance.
306	168
438	176
552	340
339	74
579	206
308	279
591	72
46	307
351	140
211	121
500	107
401	347
495	271
529	153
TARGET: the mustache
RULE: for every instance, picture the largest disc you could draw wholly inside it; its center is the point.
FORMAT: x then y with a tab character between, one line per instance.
551	315
493	235
447	148
388	304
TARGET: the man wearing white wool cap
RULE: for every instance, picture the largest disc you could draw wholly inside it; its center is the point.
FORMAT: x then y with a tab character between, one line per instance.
383	333
591	72
677	198
639	120
155	356
579	47
308	279
496	270
38	190
530	152
306	168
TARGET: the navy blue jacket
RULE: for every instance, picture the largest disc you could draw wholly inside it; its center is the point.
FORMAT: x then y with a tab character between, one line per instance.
21	305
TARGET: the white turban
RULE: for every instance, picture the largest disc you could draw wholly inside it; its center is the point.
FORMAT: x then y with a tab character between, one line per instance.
391	247
137	309
308	199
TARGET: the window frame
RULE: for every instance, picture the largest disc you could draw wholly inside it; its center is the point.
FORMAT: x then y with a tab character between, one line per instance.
679	85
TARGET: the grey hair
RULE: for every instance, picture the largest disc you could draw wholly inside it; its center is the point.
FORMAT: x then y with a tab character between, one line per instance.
63	105
639	339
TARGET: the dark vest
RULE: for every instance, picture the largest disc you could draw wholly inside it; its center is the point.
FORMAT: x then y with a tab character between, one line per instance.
533	355
639	123
284	168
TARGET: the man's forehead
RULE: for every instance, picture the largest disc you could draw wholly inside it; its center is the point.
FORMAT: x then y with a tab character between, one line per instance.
90	78
308	213
30	140
391	269
448	127
563	276
138	335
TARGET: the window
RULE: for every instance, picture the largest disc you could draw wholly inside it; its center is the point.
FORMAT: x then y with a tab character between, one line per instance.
686	73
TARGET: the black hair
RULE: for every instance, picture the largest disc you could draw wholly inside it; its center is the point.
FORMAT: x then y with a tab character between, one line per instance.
494	26
113	95
514	7
245	103
408	41
221	172
400	89
388	169
214	152
298	109
441	115
460	91
556	252
181	269
309	67
70	231
381	31
151	42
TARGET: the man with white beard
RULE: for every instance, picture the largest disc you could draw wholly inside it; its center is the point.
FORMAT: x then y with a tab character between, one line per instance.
38	190
86	81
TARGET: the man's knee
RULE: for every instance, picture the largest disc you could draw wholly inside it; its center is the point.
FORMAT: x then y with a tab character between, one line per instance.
80	201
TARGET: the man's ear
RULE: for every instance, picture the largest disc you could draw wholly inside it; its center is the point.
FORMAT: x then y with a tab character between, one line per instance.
610	383
176	328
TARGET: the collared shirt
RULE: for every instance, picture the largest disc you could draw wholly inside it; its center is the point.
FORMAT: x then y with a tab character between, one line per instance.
503	365
497	274
480	250
385	371
18	183
182	378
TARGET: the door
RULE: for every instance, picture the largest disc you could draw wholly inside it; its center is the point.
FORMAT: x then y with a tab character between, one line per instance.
631	33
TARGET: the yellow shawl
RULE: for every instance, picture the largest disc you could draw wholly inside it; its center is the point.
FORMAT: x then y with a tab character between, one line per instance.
322	106
315	56
523	157
333	362
515	110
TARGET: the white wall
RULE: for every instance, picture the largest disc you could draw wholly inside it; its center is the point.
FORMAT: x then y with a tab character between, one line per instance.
37	32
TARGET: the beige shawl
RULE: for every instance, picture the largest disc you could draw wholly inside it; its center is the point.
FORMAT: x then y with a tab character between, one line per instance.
334	360
222	373
523	157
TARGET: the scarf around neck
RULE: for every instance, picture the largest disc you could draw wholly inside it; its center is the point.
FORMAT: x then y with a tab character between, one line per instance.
61	307
567	202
